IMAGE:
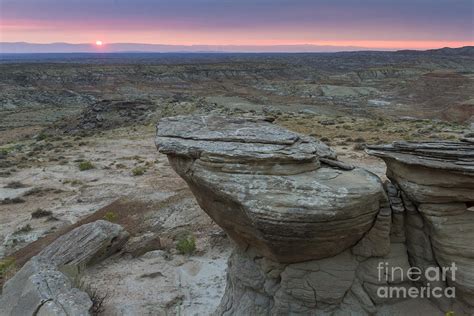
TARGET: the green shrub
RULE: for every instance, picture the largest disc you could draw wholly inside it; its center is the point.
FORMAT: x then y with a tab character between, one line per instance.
110	216
138	171
186	244
6	265
86	165
6	150
41	136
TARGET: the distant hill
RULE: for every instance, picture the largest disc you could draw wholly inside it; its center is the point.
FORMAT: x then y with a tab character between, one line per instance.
445	51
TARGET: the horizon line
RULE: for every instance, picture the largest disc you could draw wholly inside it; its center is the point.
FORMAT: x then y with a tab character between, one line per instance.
203	48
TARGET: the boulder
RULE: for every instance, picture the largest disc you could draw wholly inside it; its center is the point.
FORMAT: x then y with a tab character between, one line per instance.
271	188
87	244
45	284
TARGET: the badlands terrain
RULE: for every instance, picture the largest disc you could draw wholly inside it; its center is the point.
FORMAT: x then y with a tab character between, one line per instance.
77	144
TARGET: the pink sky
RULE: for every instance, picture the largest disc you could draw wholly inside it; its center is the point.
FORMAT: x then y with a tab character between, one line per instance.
403	24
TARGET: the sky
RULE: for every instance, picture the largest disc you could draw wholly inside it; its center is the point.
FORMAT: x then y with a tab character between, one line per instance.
395	24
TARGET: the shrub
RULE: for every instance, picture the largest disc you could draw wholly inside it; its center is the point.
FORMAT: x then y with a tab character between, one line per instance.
138	171
97	297
23	229
41	213
73	182
110	216
85	165
186	245
15	200
7	265
359	146
41	136
15	185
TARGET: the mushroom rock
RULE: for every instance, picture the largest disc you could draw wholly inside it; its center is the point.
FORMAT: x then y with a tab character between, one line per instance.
437	184
270	188
300	218
434	172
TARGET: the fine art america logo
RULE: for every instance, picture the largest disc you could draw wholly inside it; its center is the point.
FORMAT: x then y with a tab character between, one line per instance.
431	278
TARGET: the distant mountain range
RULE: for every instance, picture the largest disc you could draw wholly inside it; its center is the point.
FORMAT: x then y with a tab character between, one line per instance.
23	47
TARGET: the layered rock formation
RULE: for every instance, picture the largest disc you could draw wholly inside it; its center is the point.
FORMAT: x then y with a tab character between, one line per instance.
317	237
270	188
436	181
45	284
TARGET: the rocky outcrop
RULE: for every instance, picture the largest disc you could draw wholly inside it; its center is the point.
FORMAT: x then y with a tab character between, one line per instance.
438	172
108	114
44	285
436	181
271	188
318	237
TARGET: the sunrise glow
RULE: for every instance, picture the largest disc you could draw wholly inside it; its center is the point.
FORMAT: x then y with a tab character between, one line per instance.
345	24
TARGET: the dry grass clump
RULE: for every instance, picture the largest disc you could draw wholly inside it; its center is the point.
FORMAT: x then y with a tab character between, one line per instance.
85	165
138	171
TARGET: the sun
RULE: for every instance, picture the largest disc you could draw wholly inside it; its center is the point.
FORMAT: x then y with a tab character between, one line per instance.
99	43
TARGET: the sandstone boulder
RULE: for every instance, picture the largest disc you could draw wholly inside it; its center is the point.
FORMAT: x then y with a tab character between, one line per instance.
44	285
271	188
